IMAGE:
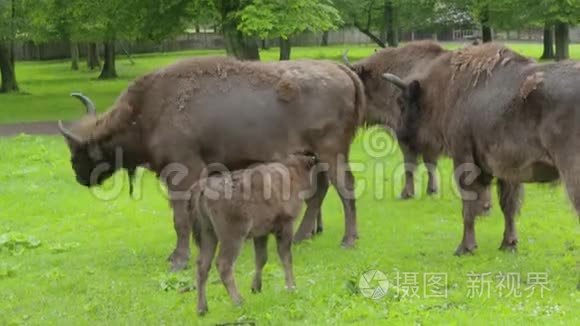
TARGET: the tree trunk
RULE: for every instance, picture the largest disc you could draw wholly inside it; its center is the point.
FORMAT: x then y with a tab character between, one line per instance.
7	71
93	57
285	48
74	55
324	38
486	32
237	44
370	35
392	35
562	41
548	42
109	70
264	44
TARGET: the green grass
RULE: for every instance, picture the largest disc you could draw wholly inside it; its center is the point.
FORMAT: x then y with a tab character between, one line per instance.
46	85
103	262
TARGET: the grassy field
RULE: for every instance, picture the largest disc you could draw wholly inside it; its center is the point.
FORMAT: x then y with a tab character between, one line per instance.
68	258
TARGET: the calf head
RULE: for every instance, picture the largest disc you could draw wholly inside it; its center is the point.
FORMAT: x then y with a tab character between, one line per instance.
94	159
304	158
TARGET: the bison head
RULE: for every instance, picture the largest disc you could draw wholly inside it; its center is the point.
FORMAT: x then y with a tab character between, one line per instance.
93	160
409	104
378	93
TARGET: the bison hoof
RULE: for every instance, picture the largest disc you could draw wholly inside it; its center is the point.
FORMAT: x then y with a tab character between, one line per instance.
178	262
319	229
463	250
238	302
509	246
301	237
407	195
349	242
201	311
256	288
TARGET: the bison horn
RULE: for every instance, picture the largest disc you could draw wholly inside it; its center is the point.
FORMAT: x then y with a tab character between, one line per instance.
87	102
396	80
68	134
346	61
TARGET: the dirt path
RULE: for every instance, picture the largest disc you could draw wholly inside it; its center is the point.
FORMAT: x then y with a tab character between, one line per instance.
31	128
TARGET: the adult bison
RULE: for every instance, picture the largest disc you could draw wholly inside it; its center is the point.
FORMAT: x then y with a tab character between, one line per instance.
498	115
198	113
408	60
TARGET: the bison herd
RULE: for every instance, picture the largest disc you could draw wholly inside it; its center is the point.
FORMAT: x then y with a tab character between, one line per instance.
495	113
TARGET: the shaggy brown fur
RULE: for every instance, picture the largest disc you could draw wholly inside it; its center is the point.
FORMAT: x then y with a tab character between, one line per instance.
205	111
521	125
251	203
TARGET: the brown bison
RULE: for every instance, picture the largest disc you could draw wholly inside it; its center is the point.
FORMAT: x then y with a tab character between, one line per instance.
498	115
408	60
198	113
250	203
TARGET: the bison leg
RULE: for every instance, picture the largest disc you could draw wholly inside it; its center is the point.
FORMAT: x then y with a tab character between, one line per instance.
473	184
284	243
569	169
313	208
207	246
261	252
343	180
510	201
178	181
229	251
410	158
430	162
182	225
319	226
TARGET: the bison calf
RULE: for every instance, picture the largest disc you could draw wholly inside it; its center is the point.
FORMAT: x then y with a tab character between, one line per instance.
249	203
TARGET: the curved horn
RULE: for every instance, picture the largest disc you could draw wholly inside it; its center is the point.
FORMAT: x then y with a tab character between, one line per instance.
396	80
68	134
346	61
87	102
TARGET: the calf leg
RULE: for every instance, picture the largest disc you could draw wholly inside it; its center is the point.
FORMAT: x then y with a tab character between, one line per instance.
229	251
510	201
313	209
410	158
207	246
284	243
430	161
473	184
261	252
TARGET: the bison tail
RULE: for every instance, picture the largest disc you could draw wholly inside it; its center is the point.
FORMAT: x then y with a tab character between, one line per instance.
360	97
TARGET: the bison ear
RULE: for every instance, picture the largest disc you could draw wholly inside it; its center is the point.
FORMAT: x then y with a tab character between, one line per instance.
414	90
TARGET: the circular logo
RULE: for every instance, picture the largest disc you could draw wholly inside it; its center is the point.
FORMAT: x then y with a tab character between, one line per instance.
373	284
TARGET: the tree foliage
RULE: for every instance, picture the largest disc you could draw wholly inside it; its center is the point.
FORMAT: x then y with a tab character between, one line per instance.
285	18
